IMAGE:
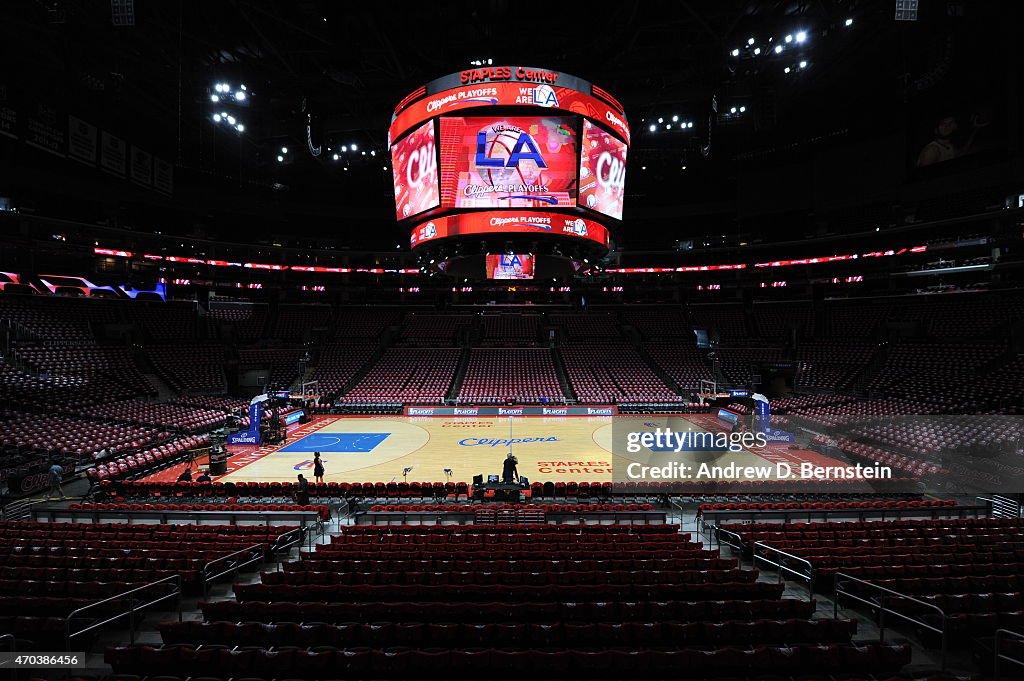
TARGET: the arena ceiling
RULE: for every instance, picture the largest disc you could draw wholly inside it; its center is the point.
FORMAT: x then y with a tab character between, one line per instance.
347	64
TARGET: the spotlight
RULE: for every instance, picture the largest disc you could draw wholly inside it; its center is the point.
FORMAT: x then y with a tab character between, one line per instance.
803	65
848	23
280	158
214	98
786	70
732	110
778	49
373	152
216	118
661	120
789	38
735	52
690	124
240	128
240	96
284	150
801	36
363	153
668	126
231	120
757	50
354	147
653	127
743	109
243	86
344	147
675	119
750	41
335	157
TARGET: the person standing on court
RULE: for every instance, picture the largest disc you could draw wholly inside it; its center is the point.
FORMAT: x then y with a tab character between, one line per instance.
318	468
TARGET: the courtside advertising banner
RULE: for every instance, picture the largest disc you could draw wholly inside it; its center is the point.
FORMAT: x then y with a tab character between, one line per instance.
602	171
414	160
508	162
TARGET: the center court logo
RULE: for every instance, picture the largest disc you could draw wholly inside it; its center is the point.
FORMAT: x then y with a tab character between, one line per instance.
306	465
498	442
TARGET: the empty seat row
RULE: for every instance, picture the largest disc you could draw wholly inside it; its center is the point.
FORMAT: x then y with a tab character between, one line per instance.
366	663
540	635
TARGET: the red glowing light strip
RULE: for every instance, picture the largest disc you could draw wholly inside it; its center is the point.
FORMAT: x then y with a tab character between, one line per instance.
667	270
107	251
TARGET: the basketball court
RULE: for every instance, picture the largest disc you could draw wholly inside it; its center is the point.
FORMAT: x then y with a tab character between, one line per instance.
379	449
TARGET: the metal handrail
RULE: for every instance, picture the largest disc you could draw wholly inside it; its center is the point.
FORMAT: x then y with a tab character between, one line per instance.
717	533
783	567
254	554
284	542
13	642
1001	657
841	577
133	607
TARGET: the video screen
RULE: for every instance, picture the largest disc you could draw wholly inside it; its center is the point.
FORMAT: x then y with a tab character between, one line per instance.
414	164
509	266
602	171
508	162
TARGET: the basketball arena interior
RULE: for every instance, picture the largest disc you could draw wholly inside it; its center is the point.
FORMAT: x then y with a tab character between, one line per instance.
673	340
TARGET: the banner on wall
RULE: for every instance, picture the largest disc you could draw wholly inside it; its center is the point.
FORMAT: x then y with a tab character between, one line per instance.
45	129
8	121
83	141
163	176
142	166
113	154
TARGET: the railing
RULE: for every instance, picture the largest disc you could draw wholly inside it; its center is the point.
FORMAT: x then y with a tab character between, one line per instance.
716	534
133	605
10	645
460	518
1002	507
761	552
709	517
21	509
288	539
1000	656
232	563
884	596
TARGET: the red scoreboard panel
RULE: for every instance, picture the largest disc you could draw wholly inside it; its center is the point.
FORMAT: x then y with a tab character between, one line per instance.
414	160
510	222
513	159
508	162
510	266
602	171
